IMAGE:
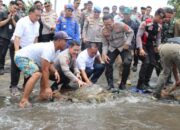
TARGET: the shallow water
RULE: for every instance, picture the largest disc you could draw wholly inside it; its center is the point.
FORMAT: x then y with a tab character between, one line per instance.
130	112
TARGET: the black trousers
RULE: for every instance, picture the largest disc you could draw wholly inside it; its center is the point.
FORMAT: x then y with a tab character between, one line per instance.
126	60
15	72
47	37
64	80
135	63
148	63
4	44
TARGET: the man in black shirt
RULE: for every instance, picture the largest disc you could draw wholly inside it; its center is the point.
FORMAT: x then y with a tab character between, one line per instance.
8	21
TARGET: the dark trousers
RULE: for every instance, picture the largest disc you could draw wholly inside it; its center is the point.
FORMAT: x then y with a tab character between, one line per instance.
63	80
47	37
96	72
135	58
4	43
15	72
126	60
148	64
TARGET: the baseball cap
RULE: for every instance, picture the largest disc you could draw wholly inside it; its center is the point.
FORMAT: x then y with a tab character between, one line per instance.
69	6
61	35
97	9
127	10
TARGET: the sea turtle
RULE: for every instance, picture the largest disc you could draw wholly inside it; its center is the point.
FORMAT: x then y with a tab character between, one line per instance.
93	93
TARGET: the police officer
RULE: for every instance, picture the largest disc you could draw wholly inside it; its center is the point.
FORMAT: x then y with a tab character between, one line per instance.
148	38
92	29
69	24
170	57
116	41
65	64
86	13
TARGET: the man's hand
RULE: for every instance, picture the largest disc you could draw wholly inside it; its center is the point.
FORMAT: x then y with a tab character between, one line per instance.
142	52
78	76
125	46
106	58
9	16
81	83
57	76
84	40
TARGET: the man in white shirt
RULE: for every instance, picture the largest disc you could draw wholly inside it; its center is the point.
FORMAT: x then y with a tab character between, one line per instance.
36	60
90	71
26	33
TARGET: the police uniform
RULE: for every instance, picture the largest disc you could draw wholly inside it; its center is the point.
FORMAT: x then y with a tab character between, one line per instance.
84	16
92	30
148	37
113	46
66	67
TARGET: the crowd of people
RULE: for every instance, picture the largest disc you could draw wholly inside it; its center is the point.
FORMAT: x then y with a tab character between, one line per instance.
82	44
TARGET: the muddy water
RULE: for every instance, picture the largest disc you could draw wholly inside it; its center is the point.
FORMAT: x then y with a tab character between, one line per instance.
130	112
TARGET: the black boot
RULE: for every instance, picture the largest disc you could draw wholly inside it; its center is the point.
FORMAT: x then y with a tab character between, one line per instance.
122	86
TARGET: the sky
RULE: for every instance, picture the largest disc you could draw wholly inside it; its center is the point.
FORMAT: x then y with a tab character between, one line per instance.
101	3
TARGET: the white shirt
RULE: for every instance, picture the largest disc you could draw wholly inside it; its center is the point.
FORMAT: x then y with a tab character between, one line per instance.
26	30
84	60
37	51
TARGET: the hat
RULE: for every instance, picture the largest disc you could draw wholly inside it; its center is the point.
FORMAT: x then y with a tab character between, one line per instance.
69	6
47	2
61	35
127	10
97	9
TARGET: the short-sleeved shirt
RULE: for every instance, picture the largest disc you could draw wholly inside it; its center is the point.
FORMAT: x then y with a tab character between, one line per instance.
85	61
7	30
26	30
38	51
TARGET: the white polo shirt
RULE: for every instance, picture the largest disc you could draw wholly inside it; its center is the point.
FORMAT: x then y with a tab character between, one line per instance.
37	51
26	30
84	60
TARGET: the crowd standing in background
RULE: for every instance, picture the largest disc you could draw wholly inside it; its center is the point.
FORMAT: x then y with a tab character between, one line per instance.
79	45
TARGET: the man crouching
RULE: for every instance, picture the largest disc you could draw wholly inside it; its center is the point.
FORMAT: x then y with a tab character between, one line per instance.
65	63
36	60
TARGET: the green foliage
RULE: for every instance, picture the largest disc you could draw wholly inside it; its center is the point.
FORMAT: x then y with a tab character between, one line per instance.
176	5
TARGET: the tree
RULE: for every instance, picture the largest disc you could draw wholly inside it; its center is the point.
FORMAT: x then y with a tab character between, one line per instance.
176	5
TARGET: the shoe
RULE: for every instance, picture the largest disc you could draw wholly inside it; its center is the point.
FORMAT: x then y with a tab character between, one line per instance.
110	87
134	68
144	88
14	91
1	71
114	90
156	96
122	86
